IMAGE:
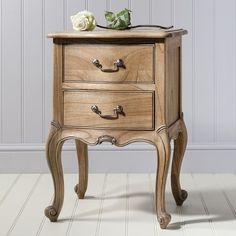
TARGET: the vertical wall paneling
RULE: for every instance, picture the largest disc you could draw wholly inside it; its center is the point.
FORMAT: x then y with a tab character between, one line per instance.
117	6
33	70
172	12
11	71
1	78
43	72
73	6
98	10
208	55
193	67
225	70
22	69
183	19
162	12
140	12
65	16
150	11
53	22
204	72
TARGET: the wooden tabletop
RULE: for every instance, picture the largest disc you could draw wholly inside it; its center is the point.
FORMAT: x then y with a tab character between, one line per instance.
132	33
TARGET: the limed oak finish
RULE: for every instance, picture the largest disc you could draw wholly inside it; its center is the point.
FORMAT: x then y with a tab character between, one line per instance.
119	87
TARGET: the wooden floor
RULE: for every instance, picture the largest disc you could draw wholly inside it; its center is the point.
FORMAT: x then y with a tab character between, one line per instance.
117	205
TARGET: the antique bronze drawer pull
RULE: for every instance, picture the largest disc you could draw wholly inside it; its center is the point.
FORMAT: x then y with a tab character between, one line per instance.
118	110
117	65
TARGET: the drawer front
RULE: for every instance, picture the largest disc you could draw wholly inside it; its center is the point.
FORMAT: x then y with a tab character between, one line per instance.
137	111
138	61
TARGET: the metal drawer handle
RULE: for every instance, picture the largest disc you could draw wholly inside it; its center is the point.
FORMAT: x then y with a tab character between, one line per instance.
117	65
118	110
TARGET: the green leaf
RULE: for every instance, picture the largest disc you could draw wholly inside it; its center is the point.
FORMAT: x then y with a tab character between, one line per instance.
120	20
123	12
125	16
118	24
110	16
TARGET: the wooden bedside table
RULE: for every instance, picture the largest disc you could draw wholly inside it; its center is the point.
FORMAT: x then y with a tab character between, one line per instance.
118	87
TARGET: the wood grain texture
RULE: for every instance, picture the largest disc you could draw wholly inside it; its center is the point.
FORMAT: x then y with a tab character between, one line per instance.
180	144
137	106
153	116
160	91
57	84
82	155
102	86
173	84
163	155
94	136
133	33
138	61
53	154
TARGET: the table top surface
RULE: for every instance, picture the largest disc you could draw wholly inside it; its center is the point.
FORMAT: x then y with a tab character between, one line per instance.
132	33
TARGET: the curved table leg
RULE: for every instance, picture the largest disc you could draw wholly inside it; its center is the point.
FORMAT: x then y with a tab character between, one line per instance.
82	154
179	148
53	153
163	150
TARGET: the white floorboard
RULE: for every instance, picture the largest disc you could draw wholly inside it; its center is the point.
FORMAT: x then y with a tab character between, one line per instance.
13	206
87	215
31	211
113	209
222	217
7	182
70	202
117	205
140	206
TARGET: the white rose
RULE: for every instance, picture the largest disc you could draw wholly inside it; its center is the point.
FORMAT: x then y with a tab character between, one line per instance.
83	20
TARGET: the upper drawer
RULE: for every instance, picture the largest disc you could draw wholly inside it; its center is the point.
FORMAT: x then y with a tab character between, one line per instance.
137	59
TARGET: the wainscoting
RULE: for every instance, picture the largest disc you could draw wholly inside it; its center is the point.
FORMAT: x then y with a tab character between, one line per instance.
209	72
108	159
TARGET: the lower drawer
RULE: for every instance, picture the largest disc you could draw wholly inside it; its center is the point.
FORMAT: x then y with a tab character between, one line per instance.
109	109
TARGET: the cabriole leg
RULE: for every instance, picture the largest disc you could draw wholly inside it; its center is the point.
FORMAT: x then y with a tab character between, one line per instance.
82	154
163	152
53	153
179	149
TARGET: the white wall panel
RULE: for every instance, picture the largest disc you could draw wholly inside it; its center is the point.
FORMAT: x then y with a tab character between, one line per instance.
52	22
204	108
98	8
162	12
72	7
1	58
33	70
117	6
209	62
12	73
225	76
140	12
184	19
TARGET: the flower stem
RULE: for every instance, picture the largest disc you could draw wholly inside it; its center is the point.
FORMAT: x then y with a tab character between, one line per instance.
139	26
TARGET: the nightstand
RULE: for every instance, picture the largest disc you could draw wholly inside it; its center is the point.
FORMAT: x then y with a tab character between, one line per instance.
119	87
